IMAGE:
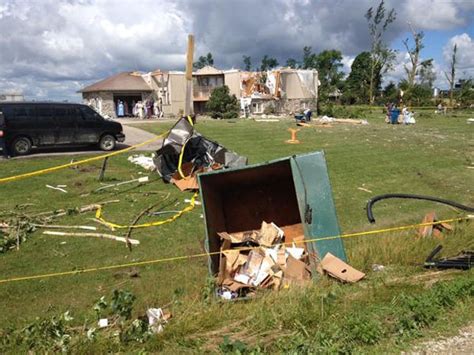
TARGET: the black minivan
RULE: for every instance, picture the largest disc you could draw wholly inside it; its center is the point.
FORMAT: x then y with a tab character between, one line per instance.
40	124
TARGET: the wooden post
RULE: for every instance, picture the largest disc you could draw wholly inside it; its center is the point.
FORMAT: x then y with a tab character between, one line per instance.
102	170
188	105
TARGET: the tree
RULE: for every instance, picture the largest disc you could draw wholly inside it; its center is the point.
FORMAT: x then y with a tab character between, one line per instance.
390	92
309	61
329	64
223	105
381	56
247	62
466	92
427	74
268	63
356	87
203	61
414	53
452	77
291	63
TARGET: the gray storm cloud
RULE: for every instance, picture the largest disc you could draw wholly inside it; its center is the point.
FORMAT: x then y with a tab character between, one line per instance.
50	48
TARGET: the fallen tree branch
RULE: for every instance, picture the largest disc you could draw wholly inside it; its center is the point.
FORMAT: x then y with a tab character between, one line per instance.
55	226
140	215
96	235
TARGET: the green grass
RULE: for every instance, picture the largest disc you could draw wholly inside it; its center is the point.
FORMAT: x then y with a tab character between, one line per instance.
430	158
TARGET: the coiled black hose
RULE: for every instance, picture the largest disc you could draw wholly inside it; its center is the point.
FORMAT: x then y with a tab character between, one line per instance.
372	201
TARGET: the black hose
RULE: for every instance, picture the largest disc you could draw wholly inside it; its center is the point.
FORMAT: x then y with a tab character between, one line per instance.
372	201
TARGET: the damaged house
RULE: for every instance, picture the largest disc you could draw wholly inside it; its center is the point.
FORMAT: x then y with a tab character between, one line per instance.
282	90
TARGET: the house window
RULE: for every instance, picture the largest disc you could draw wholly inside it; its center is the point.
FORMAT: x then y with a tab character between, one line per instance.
257	107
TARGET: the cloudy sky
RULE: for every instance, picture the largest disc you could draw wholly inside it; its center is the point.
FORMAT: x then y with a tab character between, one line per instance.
49	49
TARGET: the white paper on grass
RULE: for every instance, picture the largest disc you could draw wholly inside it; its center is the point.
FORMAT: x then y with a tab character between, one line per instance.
103	322
155	317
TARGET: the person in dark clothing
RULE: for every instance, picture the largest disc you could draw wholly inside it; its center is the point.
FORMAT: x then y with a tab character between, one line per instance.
3	143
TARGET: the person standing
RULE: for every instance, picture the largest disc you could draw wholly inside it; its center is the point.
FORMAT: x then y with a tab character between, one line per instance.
3	143
120	109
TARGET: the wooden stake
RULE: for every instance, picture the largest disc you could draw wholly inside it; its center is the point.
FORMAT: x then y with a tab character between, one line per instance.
102	170
188	109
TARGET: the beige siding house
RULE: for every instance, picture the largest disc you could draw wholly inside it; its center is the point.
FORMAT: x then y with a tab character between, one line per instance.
278	91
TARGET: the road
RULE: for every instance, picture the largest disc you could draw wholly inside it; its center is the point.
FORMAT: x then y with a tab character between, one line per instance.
133	135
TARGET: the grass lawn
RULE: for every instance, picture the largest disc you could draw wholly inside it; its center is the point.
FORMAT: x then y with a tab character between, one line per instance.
434	157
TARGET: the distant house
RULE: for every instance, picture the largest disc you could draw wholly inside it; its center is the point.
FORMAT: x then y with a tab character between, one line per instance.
280	91
12	96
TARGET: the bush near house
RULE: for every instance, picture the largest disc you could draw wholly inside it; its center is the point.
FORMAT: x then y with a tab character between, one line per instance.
223	105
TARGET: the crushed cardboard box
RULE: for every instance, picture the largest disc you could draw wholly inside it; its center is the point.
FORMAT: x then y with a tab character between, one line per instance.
434	230
262	259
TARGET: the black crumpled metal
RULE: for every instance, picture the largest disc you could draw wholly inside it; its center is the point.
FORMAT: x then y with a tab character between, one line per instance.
198	150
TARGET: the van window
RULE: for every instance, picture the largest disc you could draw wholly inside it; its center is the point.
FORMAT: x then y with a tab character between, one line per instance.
23	113
89	114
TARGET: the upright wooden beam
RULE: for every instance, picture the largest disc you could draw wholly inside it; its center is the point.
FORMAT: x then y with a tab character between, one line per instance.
188	106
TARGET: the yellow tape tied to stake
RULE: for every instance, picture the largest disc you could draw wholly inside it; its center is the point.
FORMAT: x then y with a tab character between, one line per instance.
189	208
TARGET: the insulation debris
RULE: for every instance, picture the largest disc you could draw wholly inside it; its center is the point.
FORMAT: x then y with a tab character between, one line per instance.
185	153
143	161
260	259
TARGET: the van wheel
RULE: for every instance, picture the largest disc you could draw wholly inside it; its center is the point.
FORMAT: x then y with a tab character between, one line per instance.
107	142
21	146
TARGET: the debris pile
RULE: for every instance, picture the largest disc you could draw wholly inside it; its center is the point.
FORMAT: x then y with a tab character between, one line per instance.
269	258
327	120
185	153
434	230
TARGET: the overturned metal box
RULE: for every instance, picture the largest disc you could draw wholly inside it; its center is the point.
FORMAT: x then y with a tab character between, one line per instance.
289	191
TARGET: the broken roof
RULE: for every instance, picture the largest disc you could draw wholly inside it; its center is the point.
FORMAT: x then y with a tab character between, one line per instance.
208	70
125	81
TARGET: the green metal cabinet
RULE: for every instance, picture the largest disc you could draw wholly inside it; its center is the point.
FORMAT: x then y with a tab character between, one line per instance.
286	191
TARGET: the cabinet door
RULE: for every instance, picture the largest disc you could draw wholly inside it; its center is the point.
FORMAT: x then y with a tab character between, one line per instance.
317	209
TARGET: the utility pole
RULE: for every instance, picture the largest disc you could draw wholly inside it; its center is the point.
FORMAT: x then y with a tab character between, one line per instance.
188	105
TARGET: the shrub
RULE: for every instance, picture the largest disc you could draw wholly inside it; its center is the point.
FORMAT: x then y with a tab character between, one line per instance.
223	105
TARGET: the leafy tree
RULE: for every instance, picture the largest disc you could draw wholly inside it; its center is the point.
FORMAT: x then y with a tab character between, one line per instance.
466	92
328	64
247	62
223	105
356	87
382	57
452	77
390	92
416	94
427	75
203	61
309	60
268	63
292	63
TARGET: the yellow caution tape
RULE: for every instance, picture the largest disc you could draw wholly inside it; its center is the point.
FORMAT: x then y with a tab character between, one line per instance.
80	162
180	161
189	208
207	254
